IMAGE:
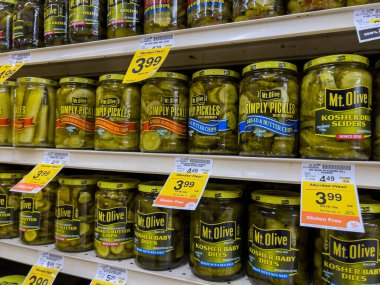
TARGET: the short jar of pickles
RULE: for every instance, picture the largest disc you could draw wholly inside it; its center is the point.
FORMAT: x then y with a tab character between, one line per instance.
37	215
159	232
6	24
114	218
216	232
213	112
205	13
164	113
269	110
6	112
299	6
34	112
277	245
336	107
75	113
254	9
75	214
117	122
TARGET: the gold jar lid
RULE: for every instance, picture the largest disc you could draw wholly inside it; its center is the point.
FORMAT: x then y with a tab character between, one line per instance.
151	186
118	183
119	77
78	180
338	58
216	72
174	75
369	206
78	80
23	80
270	65
8	83
11	175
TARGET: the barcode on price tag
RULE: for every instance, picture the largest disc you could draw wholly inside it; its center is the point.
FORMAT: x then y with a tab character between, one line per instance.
367	23
193	165
157	42
20	57
106	275
54	157
49	260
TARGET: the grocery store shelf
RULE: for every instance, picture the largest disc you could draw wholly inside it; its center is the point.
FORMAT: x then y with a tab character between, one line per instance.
290	36
84	264
284	170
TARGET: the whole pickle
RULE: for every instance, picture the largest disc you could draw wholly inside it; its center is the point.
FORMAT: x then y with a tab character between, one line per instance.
244	10
6	112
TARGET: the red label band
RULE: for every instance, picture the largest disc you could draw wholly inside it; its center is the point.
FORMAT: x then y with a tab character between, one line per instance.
349	137
170	125
4	122
118	129
67	120
22	123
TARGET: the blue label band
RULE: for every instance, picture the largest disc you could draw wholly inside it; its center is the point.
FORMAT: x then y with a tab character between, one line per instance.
270	274
151	252
284	129
216	265
211	128
209	4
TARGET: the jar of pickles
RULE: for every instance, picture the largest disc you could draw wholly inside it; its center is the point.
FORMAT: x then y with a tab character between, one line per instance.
336	105
213	112
360	2
114	218
164	113
6	24
253	9
299	6
117	122
124	18
34	112
6	112
75	214
164	15
75	113
37	215
9	204
269	110
277	245
205	13
376	114
349	258
56	18
28	24
159	232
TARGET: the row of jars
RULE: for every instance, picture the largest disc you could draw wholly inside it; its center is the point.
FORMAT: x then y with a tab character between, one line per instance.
31	23
120	223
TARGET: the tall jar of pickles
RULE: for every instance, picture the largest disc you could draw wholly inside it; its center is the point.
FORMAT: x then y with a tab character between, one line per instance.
75	214
9	204
159	232
56	19
117	122
277	245
336	106
6	112
360	2
299	6
216	231
213	112
269	110
75	113
205	13
376	114
37	215
164	113
114	218
253	9
6	24
34	112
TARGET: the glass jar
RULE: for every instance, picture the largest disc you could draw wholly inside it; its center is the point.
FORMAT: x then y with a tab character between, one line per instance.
244	10
164	15
124	18
87	20
216	230
6	24
6	112
205	13
56	19
9	204
28	24
159	232
277	245
269	110
299	6
164	113
37	215
213	112
336	102
348	258
75	113
117	113
75	210
361	2
114	218
376	114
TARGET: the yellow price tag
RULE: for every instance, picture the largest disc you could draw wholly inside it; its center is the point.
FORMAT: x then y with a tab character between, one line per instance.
7	70
40	275
100	282
145	63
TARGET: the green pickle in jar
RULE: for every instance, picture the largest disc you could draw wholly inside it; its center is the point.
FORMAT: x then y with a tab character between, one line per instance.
269	110
376	115
75	214
299	6
56	20
277	245
6	24
205	13
350	258
244	10
216	231
164	113
34	112
360	2
9	204
37	215
213	112
336	106
117	114
159	232
76	113
6	112
114	218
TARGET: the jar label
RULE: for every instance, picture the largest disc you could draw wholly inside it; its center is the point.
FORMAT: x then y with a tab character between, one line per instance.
84	13
18	27
123	11
29	219
205	119
67	225
345	114
7	214
55	20
216	6
21	122
78	115
4	122
157	6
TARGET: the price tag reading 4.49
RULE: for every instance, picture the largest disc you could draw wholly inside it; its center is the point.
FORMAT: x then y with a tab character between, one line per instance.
329	197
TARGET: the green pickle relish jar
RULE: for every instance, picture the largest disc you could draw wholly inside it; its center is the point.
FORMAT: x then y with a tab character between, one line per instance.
75	214
277	245
216	230
6	112
114	218
159	232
